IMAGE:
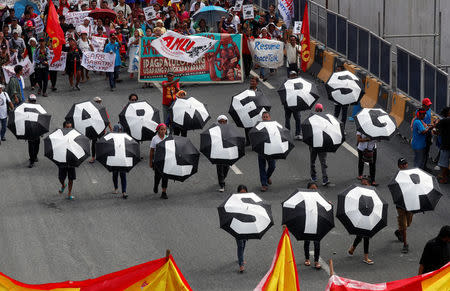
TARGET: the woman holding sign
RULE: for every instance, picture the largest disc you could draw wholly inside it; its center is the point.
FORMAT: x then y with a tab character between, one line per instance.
133	44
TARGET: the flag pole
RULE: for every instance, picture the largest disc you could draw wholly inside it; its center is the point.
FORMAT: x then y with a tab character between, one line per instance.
167	253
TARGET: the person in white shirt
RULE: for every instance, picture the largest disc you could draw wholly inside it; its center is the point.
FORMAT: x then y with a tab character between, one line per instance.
292	51
193	5
159	137
85	26
367	152
4	102
124	8
84	44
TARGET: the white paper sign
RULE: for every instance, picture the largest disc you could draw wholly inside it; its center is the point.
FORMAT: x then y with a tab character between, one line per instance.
248	12
267	53
28	69
238	5
98	61
76	18
297	27
10	3
39	24
59	65
175	1
98	43
149	13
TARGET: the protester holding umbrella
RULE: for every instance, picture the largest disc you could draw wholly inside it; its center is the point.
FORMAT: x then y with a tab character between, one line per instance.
123	174
367	152
339	107
41	64
4	102
222	170
98	100
291	111
73	63
33	144
312	186
265	174
241	242
160	136
67	171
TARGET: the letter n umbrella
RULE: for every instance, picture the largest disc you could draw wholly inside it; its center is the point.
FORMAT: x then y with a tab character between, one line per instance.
245	216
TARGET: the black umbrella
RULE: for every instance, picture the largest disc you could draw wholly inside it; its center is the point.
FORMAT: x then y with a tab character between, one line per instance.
271	139
188	113
344	88
415	190
176	158
323	132
66	147
222	144
298	94
117	152
29	121
245	216
307	215
361	210
89	118
247	108
139	120
375	123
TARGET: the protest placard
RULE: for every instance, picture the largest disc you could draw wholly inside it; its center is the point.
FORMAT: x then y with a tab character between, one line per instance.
59	65
76	18
149	13
248	11
98	61
267	53
175	1
238	5
39	24
297	27
98	43
28	69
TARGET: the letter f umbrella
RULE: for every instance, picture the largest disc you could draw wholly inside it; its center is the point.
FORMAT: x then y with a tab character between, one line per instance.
66	147
245	216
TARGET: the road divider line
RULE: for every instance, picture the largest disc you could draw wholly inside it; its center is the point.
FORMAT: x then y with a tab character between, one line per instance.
236	170
268	85
350	148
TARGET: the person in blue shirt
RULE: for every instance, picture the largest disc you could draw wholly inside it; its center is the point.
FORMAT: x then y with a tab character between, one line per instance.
113	48
420	130
426	106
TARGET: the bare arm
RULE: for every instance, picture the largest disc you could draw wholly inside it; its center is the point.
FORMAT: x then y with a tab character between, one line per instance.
152	153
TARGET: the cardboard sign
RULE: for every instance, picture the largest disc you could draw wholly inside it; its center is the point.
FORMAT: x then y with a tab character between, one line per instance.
149	13
267	53
76	18
98	43
238	5
28	69
39	24
248	12
297	27
98	61
59	65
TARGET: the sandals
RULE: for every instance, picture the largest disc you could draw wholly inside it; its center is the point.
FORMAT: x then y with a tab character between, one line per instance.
317	266
70	197
62	189
350	251
307	263
368	261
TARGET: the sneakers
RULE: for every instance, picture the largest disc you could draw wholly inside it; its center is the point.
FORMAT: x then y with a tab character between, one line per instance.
328	184
405	249
3	138
269	181
164	195
398	235
314	179
298	137
31	165
437	168
77	87
71	197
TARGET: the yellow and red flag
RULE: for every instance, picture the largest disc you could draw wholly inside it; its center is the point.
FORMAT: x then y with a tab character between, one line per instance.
160	275
305	43
55	31
282	274
438	280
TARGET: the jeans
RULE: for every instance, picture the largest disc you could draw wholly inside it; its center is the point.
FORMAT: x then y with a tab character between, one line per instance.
287	116
222	172
53	78
240	250
123	180
33	149
113	76
419	158
316	250
247	64
3	123
94	142
372	166
323	164
159	177
42	78
291	67
264	174
337	111
366	243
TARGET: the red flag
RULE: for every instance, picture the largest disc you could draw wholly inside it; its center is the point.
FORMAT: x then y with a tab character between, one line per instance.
55	31
306	49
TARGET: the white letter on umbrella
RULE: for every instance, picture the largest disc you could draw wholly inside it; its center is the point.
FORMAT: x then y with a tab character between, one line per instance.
120	158
311	210
235	205
348	82
170	162
292	93
95	120
217	149
137	122
189	106
367	124
275	144
246	120
62	143
354	214
21	116
320	125
412	191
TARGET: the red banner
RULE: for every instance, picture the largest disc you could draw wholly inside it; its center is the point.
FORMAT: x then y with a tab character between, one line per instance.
305	43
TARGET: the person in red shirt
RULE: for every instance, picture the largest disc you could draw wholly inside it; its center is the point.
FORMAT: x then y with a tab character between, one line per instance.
170	89
246	54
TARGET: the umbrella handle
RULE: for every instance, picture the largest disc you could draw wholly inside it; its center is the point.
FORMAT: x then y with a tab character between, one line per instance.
330	262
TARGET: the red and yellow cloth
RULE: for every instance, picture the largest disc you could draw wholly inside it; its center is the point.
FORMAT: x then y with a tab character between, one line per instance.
160	275
438	280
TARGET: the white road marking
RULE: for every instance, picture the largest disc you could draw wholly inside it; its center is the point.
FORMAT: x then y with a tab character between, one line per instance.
350	148
94	181
268	85
157	85
236	170
325	266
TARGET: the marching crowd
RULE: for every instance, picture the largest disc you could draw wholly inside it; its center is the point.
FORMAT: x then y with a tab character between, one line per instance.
19	40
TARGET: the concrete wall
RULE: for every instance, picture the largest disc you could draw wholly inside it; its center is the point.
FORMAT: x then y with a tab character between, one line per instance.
402	17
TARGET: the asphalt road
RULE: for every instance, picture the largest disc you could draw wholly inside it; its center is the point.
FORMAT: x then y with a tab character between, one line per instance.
45	238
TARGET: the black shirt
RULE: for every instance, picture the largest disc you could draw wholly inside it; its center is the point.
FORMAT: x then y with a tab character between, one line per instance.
444	129
435	255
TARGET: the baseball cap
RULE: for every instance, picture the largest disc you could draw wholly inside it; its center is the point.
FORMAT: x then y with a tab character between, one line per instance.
97	99
32	97
402	161
29	23
41	39
426	102
318	107
87	18
222	117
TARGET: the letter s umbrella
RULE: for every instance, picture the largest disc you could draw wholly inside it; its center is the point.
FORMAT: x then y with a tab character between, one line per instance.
117	152
66	147
245	216
361	210
307	215
344	88
29	121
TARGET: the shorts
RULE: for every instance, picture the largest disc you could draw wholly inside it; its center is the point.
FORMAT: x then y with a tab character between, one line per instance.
444	158
404	218
69	172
